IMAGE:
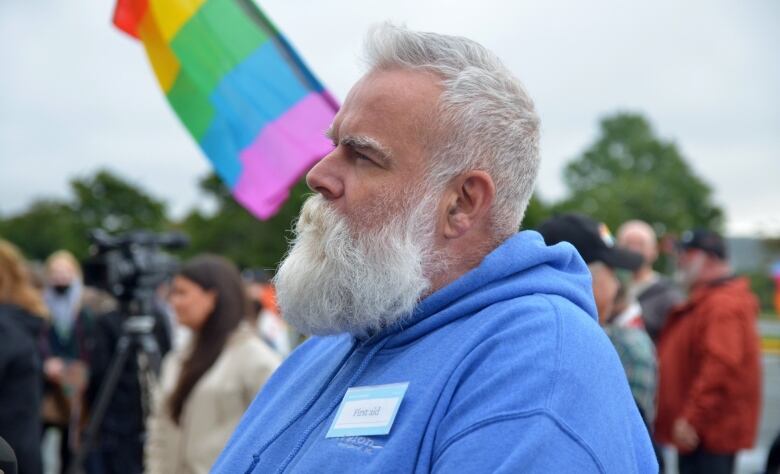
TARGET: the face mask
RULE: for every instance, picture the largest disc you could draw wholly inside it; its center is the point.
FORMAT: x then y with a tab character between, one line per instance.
60	289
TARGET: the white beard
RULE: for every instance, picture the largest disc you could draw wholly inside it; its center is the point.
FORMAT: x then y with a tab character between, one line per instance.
331	282
687	276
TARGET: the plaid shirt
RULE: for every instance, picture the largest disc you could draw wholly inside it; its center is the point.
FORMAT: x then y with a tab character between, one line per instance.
637	354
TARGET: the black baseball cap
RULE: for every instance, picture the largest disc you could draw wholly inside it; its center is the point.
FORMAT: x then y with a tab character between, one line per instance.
592	240
703	239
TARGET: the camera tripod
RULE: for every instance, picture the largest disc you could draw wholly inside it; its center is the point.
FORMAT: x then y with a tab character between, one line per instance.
136	338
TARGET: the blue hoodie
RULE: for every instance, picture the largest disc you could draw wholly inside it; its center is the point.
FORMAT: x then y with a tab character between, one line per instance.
508	371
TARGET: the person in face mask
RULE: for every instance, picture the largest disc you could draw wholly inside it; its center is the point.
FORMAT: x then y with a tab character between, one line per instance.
655	293
709	358
67	349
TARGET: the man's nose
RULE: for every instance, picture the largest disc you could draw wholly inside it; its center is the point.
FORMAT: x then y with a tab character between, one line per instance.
325	179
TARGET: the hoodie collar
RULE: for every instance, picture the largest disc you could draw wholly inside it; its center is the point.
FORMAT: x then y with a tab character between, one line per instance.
521	265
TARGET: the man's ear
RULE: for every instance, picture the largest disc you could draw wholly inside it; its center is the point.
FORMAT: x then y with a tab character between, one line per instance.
468	199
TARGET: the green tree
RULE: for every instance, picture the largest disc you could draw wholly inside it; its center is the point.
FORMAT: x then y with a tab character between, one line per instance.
102	200
536	213
630	173
106	201
233	232
47	225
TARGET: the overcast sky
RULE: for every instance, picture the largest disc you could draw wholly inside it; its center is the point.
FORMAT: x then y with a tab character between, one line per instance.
77	95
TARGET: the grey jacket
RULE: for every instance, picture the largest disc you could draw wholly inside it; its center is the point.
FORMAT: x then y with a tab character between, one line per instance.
656	300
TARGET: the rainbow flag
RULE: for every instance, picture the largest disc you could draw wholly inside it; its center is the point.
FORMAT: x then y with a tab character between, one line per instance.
240	89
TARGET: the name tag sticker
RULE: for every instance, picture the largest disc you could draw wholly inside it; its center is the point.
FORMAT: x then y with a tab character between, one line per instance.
367	411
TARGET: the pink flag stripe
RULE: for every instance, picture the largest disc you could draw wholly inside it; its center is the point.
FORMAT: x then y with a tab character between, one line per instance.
284	150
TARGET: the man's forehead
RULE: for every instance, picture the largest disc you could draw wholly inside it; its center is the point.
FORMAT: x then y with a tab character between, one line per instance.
388	102
638	231
635	234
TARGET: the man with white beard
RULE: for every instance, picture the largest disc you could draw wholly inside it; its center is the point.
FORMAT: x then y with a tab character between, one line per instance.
445	340
709	356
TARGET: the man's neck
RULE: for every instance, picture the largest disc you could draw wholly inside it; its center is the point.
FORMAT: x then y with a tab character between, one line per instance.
451	272
458	260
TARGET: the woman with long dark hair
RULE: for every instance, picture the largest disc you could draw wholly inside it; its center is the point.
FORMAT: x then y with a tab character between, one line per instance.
207	385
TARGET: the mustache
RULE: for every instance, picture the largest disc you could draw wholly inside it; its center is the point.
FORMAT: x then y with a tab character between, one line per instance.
340	278
313	214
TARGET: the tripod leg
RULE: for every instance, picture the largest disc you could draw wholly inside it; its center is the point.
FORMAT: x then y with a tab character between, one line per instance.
103	398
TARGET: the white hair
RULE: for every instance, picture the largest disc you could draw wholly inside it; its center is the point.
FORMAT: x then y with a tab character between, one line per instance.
485	117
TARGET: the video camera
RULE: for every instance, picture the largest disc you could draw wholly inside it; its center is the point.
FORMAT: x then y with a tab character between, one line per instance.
131	265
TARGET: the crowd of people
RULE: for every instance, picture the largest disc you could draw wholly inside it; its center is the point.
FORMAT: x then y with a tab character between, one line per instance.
443	340
692	362
60	338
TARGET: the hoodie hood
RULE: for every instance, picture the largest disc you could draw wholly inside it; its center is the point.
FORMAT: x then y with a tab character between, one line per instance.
509	350
523	265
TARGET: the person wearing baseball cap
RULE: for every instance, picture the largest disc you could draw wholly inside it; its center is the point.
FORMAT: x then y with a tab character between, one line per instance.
710	381
700	250
596	246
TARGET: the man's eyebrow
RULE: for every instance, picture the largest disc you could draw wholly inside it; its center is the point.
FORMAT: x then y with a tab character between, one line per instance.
368	143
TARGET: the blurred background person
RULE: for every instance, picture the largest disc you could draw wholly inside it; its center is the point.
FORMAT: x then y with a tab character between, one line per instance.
773	458
67	348
709	394
264	312
656	294
22	325
206	387
626	311
178	334
775	272
98	301
635	349
596	246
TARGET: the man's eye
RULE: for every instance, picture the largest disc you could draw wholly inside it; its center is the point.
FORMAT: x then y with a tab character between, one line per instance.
361	157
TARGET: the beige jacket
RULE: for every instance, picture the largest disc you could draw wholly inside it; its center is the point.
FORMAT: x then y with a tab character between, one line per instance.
212	409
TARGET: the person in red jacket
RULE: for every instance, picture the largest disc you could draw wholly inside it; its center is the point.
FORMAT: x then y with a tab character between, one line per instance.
709	361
